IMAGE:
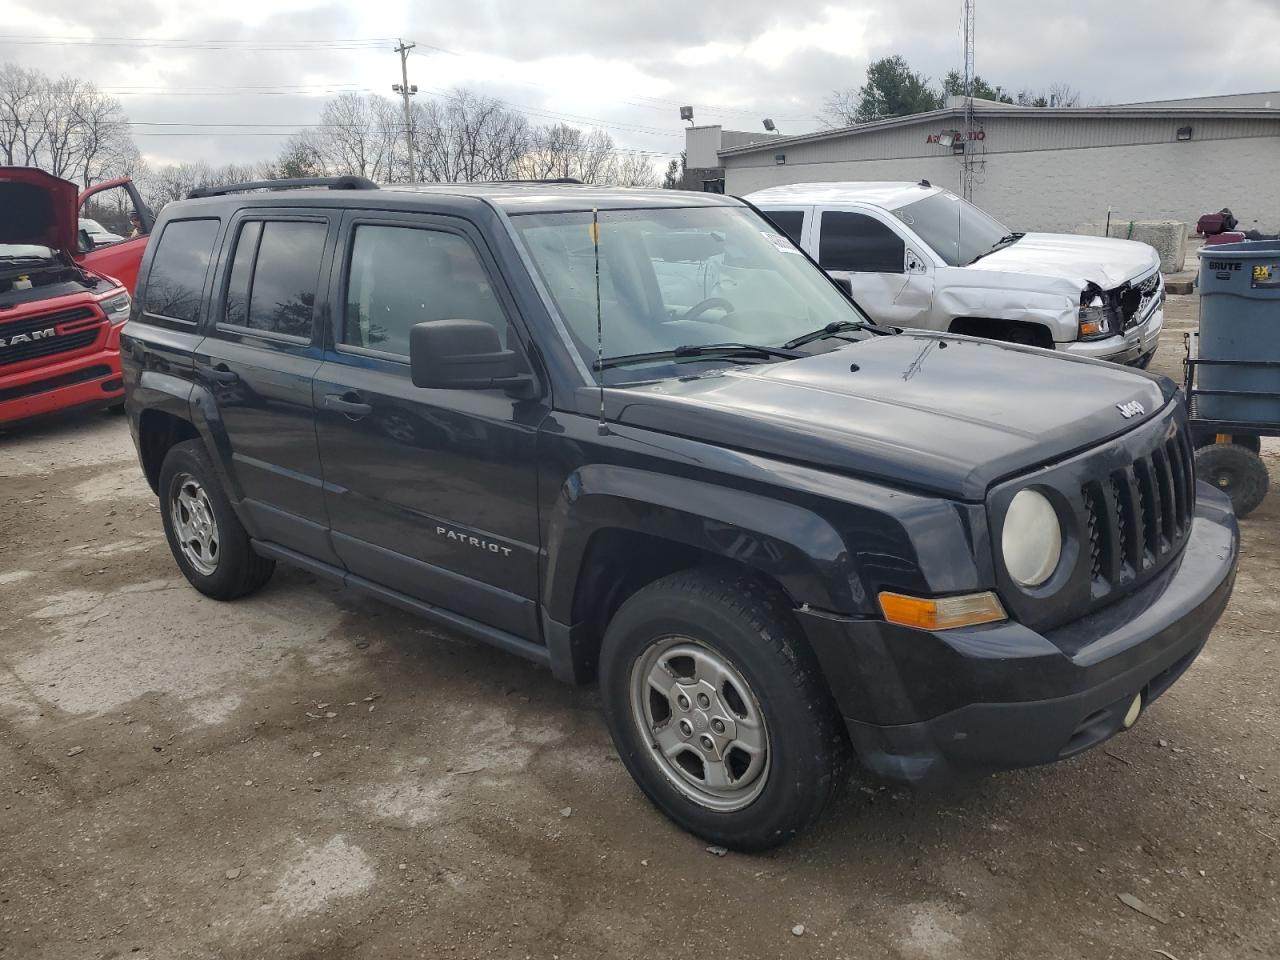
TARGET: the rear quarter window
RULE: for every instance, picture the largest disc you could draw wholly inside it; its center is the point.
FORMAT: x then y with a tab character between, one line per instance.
175	283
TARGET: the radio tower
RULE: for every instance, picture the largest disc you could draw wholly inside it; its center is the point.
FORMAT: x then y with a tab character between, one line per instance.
968	163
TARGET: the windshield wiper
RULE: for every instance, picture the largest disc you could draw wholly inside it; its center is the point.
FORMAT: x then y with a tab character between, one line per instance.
1000	244
699	350
830	330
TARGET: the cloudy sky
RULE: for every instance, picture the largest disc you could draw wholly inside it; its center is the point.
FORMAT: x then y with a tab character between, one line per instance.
225	81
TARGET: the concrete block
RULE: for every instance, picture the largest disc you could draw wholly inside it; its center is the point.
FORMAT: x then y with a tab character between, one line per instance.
1169	237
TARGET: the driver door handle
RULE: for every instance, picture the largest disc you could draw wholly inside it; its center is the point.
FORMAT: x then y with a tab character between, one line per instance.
348	403
223	374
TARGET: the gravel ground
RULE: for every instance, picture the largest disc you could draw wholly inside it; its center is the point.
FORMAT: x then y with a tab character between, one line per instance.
306	774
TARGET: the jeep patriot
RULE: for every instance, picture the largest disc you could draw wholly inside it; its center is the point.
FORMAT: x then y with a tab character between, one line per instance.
641	438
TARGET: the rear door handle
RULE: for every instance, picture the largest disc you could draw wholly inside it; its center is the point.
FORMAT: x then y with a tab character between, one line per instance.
223	374
349	404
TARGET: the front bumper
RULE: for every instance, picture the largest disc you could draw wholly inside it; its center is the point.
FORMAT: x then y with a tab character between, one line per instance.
86	380
1134	347
919	705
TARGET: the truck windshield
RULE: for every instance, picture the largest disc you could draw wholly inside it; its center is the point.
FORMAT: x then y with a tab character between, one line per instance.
957	230
674	280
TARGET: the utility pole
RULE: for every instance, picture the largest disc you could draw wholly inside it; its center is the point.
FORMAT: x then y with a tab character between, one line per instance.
967	160
406	91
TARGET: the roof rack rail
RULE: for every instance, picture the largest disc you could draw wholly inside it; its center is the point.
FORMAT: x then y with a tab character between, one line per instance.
295	183
540	180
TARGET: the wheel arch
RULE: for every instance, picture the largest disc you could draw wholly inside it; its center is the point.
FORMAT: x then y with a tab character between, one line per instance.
614	530
1028	332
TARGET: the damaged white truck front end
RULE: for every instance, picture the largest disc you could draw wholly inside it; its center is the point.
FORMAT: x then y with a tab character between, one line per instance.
919	256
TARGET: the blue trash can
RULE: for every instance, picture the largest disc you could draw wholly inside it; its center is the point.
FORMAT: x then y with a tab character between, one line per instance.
1240	321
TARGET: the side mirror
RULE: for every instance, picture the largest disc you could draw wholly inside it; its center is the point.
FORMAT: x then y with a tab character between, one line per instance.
464	355
86	242
845	284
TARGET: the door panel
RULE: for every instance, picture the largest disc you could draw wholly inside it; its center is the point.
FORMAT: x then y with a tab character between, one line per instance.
259	366
429	492
118	208
873	255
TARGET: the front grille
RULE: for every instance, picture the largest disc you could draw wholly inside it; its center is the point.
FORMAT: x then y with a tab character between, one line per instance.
1139	514
1136	300
72	330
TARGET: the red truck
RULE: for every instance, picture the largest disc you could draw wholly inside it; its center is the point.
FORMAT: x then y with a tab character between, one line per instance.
68	264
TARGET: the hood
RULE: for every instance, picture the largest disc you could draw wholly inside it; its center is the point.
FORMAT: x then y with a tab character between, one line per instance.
39	208
1101	260
941	413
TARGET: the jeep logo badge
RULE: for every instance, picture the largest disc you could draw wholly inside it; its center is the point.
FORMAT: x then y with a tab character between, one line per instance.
1131	409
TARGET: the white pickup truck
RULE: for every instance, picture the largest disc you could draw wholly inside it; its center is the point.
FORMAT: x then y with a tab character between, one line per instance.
917	255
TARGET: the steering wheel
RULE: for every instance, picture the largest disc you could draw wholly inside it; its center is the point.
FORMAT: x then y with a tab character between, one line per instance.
711	303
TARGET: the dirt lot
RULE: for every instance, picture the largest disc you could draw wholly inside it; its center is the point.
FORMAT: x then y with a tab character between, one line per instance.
306	774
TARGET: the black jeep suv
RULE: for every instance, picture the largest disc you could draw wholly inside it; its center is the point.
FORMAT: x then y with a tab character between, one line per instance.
640	437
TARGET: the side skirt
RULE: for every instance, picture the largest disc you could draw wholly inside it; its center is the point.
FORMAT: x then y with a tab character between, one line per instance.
445	618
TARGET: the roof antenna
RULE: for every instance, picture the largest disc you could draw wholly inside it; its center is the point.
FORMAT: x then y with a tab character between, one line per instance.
602	428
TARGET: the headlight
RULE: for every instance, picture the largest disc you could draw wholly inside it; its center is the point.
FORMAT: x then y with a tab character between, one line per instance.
117	308
1095	320
1032	539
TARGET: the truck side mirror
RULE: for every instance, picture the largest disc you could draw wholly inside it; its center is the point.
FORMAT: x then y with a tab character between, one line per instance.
845	284
464	355
86	243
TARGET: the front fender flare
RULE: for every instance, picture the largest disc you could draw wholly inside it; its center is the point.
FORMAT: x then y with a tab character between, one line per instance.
759	532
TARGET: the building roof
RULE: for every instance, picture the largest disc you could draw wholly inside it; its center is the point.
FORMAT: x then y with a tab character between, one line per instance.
889	194
952	116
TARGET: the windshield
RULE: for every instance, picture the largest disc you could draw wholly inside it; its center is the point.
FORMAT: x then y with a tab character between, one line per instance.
672	278
955	228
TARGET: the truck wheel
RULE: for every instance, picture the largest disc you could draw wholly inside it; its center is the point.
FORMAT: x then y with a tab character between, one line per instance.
206	537
717	708
1236	471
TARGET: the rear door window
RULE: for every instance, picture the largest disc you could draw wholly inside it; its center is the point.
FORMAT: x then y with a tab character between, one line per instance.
275	271
857	243
175	283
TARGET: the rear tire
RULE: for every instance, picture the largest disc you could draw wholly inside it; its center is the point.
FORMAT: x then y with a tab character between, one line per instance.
1236	471
205	535
718	709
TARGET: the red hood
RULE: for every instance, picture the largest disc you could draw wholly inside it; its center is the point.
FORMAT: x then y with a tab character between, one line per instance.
39	208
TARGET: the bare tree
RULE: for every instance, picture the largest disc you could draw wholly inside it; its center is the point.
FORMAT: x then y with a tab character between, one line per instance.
564	151
462	137
66	126
631	169
840	109
1062	94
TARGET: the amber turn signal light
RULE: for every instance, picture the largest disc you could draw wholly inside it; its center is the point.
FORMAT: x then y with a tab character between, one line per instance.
942	613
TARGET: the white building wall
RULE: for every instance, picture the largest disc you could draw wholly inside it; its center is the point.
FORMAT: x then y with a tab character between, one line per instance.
1059	189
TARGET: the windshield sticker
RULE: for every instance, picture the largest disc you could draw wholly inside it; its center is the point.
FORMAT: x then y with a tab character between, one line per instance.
779	241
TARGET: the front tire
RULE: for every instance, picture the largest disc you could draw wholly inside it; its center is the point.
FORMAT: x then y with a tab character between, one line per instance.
717	708
206	537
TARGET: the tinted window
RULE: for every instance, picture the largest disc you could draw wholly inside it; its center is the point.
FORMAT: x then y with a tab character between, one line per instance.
859	244
401	276
790	222
282	290
176	280
242	273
